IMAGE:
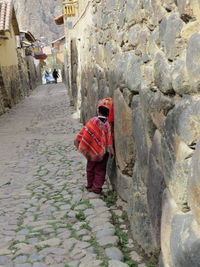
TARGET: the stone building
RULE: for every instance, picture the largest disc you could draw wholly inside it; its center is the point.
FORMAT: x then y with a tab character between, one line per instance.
145	54
18	74
59	52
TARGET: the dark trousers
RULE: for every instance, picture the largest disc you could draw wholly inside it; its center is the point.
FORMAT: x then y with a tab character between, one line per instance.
96	172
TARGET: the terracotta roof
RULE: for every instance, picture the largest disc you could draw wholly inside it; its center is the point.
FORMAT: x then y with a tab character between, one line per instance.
7	16
59	20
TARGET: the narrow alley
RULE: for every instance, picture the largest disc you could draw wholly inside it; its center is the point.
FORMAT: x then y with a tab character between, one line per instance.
46	216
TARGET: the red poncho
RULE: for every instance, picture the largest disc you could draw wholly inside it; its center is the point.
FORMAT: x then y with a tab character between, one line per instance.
94	140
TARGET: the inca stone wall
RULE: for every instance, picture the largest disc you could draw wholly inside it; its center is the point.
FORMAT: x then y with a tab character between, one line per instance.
145	54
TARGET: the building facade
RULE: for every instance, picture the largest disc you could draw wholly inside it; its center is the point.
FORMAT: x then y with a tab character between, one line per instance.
18	73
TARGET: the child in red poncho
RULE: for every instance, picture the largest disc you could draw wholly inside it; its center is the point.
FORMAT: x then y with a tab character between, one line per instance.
95	142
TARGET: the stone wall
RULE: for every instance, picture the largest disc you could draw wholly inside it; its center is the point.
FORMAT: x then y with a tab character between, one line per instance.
145	54
17	81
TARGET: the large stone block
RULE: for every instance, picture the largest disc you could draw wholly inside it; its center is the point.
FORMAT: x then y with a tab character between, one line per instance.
169	209
133	35
172	42
180	81
123	130
155	107
192	62
185	241
134	11
180	238
124	70
138	212
140	137
162	73
194	185
155	186
132	73
181	129
121	183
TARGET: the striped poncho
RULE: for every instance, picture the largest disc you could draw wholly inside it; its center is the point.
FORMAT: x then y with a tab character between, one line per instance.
94	139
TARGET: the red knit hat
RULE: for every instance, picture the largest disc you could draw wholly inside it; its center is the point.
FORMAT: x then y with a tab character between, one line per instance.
107	103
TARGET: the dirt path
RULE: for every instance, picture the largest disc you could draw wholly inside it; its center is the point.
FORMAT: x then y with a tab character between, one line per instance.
47	218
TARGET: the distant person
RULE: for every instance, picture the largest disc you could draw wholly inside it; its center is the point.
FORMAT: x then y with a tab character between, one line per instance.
95	142
47	77
55	75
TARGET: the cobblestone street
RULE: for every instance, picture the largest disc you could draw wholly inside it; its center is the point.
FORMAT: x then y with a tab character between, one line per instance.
46	216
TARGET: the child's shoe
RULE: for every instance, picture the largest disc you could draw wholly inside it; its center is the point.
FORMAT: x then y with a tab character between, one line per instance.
89	189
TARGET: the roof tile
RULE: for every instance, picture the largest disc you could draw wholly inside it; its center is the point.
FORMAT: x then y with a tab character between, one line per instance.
6	9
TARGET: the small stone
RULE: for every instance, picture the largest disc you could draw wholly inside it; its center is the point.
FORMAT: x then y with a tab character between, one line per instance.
23	232
65	207
5	251
73	263
32	240
77	254
82	245
35	257
135	257
72	214
97	221
87	260
118	212
100	210
92	195
38	264
21	259
142	265
86	238
20	238
64	235
69	243
114	263
25	249
88	212
76	199
4	260
81	207
106	232
114	254
50	242
103	227
83	232
53	250
90	250
97	202
113	240
23	265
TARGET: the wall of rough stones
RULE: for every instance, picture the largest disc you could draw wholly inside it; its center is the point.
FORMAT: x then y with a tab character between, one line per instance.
17	81
145	54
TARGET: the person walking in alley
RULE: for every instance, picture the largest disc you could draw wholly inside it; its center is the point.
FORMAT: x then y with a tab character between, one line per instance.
55	75
47	77
95	142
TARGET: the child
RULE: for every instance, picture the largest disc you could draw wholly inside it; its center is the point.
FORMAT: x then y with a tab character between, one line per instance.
95	142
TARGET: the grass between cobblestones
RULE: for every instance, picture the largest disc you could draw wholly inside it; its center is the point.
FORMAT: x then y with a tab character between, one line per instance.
111	198
47	193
